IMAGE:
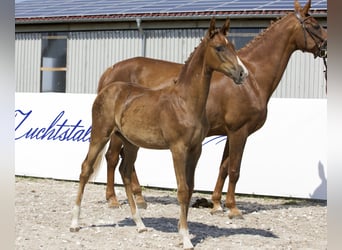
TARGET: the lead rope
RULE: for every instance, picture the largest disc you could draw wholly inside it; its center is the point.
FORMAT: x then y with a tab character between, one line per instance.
325	74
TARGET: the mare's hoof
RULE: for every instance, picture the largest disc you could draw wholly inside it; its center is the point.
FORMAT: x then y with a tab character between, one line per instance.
74	229
113	203
235	214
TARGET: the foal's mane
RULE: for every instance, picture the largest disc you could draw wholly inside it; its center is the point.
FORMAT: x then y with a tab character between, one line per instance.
202	43
263	33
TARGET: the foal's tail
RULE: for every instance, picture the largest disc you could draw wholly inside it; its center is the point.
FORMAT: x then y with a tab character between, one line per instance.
98	162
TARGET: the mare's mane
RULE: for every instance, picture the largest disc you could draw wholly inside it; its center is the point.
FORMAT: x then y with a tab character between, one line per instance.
263	33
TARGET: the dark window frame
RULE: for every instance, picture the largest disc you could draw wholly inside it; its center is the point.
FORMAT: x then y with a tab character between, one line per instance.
53	62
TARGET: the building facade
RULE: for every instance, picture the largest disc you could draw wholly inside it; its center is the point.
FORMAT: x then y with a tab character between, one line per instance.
68	54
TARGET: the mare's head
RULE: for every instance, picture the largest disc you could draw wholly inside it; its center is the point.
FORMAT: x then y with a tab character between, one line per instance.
221	54
312	36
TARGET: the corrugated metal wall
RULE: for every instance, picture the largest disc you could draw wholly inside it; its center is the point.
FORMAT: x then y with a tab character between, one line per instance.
303	77
90	53
172	45
27	62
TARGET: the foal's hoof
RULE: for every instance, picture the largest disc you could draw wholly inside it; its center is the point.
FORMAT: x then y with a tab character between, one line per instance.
74	229
140	201
235	213
142	229
141	204
217	209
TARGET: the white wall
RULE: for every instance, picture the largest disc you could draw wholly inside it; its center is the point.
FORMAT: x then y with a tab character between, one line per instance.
286	157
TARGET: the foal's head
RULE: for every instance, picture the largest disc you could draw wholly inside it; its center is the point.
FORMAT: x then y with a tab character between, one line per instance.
313	37
221	54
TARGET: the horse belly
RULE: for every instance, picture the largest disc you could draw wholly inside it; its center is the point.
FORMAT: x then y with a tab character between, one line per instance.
144	135
145	138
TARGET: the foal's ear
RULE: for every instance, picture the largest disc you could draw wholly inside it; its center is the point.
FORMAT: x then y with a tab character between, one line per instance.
225	27
211	30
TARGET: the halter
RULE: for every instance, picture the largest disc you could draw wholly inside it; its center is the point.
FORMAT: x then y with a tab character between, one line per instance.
320	43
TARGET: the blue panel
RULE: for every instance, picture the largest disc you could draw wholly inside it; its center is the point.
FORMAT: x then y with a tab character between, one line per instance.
46	8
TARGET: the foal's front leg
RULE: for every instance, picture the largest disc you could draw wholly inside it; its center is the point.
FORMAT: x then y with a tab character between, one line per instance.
185	162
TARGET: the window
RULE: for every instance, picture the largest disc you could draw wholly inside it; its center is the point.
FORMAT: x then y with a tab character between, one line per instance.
241	36
53	63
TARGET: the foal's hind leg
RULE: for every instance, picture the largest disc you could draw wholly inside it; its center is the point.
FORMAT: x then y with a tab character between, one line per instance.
87	170
137	191
112	158
126	168
100	134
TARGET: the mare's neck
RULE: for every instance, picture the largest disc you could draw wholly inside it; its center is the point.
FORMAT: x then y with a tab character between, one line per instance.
268	54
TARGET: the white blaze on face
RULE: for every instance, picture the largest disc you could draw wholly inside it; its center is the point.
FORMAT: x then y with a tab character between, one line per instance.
245	70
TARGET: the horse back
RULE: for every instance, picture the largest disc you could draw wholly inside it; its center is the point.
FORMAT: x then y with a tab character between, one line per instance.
148	72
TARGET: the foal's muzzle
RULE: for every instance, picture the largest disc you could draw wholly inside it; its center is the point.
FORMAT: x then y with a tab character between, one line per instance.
240	75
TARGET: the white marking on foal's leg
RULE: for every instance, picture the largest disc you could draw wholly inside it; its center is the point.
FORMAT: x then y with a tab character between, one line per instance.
75	217
138	221
186	239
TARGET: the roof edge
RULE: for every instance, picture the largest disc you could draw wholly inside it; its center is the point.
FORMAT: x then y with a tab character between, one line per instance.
163	16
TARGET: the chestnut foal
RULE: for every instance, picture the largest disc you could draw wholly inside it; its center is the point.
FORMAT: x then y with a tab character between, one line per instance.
172	118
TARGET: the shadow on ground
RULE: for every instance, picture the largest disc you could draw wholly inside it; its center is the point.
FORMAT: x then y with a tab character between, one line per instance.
246	207
200	231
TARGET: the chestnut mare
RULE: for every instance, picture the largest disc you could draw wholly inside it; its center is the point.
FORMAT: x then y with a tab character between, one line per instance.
233	110
172	118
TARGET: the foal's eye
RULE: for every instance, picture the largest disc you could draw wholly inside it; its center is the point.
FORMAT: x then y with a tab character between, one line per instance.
219	48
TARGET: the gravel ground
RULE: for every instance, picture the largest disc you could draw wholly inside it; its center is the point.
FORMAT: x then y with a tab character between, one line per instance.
43	215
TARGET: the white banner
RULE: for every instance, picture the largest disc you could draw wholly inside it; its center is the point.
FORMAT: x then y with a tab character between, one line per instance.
286	157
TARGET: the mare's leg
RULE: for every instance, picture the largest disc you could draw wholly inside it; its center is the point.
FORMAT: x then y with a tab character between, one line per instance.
112	157
126	167
237	145
223	172
237	141
184	164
